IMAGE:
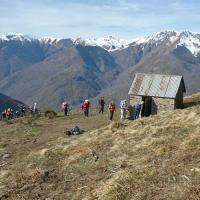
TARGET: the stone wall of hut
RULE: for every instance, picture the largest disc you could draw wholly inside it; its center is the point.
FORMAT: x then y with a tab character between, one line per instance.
157	104
135	99
161	104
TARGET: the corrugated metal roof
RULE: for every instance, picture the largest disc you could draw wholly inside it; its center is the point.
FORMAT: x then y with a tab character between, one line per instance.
156	85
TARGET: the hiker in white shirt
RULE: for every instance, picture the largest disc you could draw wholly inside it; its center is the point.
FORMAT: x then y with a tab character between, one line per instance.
124	108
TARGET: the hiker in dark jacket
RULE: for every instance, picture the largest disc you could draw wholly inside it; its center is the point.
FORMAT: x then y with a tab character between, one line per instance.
3	114
17	114
22	110
137	110
101	105
65	107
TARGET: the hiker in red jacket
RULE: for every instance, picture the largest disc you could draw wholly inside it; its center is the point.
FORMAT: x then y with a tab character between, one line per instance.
85	106
31	109
9	113
111	109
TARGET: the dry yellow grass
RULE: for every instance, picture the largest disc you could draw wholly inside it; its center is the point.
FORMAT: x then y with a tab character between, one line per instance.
192	100
153	158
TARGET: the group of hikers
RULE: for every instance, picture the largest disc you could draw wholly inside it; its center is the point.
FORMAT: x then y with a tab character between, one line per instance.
111	107
134	111
9	113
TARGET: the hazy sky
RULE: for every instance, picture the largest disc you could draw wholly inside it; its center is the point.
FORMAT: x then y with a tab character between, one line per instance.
95	18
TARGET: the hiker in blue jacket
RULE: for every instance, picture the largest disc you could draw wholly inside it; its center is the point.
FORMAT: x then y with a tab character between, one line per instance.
138	110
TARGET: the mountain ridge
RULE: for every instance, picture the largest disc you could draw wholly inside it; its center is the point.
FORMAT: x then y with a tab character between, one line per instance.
112	43
67	69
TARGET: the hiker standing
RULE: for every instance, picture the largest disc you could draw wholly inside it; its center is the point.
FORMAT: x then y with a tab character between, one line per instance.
111	109
141	108
101	105
3	114
35	107
9	113
65	107
134	112
124	108
137	110
85	106
22	110
17	114
31	109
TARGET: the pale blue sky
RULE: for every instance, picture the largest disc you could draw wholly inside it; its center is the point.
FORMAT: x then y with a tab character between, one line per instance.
95	18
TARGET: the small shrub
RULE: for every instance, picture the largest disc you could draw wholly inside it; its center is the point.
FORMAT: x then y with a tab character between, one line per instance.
114	126
194	143
50	114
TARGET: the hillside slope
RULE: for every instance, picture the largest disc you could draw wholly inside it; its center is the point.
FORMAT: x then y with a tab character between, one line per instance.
71	74
7	102
152	158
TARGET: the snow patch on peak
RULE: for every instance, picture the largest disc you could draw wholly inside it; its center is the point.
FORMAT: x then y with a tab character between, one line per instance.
80	41
191	41
16	37
157	38
109	43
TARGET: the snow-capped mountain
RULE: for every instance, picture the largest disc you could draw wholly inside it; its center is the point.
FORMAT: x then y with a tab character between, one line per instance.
83	68
157	38
26	38
108	43
16	37
187	39
191	41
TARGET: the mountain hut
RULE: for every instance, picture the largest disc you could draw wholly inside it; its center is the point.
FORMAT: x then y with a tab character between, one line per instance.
158	92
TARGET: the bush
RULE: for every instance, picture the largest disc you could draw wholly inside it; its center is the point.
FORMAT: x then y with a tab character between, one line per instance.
114	126
50	114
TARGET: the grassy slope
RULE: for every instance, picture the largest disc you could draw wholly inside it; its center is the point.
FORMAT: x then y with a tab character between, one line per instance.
152	158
